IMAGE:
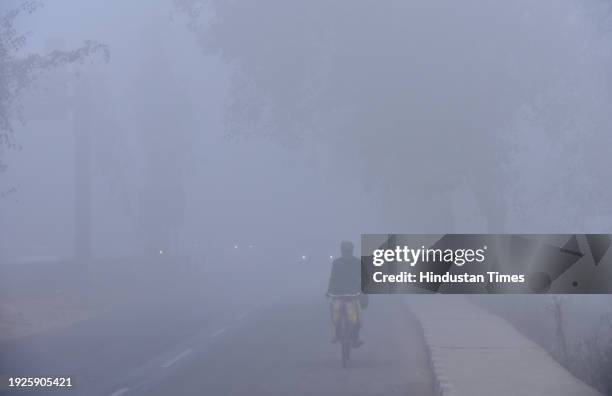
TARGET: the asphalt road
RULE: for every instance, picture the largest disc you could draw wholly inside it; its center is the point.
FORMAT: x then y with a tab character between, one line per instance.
196	338
277	347
284	349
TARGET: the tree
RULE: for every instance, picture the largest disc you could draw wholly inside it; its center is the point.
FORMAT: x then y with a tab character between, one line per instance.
165	123
18	72
417	94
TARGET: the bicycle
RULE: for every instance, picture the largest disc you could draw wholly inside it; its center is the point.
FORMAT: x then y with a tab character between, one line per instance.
345	327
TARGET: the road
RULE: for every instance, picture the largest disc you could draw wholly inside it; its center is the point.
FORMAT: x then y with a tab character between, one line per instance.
277	348
196	336
285	350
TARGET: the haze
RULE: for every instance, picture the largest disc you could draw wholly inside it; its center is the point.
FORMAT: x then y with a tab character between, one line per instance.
212	165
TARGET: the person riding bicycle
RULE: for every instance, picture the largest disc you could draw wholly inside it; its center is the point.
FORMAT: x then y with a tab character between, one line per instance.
345	288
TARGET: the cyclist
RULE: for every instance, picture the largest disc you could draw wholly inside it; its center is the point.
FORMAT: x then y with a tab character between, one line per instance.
345	280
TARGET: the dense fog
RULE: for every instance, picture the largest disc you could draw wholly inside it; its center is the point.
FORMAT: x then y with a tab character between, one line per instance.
217	152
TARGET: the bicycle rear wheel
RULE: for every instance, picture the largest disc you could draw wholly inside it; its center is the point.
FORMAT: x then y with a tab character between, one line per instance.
346	354
345	341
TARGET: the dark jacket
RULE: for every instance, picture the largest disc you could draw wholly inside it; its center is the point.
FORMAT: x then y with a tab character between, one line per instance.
345	276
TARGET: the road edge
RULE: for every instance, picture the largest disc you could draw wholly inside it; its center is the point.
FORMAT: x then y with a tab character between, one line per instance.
442	384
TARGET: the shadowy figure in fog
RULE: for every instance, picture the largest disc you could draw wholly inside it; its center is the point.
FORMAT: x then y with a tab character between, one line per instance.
345	288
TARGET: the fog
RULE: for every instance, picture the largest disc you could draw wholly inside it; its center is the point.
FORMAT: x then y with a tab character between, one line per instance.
215	159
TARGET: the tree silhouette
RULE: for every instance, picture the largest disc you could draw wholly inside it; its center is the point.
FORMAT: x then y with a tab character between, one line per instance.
416	94
19	72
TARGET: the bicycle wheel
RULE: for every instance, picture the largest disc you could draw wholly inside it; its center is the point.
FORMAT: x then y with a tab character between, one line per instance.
346	353
345	343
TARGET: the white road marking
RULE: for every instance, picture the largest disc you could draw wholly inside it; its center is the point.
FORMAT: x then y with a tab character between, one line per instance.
219	332
177	358
119	392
